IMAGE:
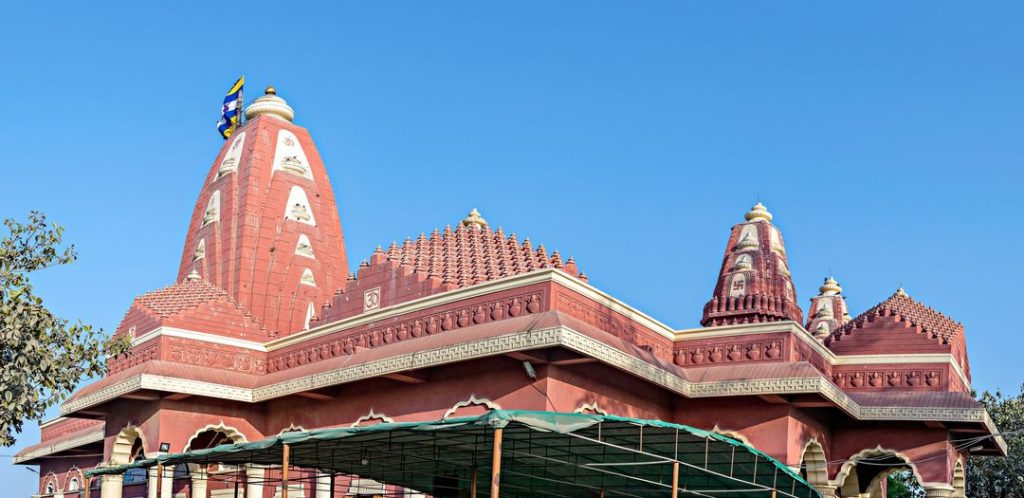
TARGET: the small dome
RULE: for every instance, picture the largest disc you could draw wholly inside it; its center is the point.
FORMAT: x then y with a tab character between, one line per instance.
746	242
758	213
830	287
474	220
270	104
901	292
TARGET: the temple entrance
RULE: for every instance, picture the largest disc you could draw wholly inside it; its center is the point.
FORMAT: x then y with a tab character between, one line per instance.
879	474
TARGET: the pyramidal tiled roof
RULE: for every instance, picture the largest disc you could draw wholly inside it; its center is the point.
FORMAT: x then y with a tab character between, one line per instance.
181	296
471	254
931	321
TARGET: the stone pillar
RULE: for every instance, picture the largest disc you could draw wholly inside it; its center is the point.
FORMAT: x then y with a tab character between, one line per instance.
110	486
323	486
254	482
151	482
198	489
938	490
828	491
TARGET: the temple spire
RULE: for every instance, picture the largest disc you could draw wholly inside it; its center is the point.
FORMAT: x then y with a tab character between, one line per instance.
754	283
828	310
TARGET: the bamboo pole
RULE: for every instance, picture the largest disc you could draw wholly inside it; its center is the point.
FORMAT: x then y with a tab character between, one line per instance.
675	479
495	464
88	487
159	479
472	484
284	470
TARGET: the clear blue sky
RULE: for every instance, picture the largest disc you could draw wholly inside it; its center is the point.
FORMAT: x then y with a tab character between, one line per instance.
886	137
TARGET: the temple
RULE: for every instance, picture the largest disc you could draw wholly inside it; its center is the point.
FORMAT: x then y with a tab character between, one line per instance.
266	331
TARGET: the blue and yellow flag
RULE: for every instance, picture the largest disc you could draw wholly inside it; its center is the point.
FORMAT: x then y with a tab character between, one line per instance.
230	112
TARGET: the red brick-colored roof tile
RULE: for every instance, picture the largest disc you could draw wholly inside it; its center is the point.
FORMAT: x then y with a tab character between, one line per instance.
929	320
470	255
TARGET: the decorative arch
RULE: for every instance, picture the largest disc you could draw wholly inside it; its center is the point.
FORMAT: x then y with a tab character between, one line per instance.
959	480
212	212
590	408
472	401
372	415
298	207
73	480
847	478
292	428
814	464
231	433
737	435
121	454
50	484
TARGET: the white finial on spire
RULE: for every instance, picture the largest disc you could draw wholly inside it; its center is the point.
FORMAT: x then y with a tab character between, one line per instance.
830	287
758	213
474	220
271	105
193	276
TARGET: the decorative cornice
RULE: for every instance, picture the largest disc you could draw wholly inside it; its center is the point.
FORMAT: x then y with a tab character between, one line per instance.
472	401
63	445
534	339
514	281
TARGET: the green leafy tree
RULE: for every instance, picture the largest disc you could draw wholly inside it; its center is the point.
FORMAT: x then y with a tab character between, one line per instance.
994	477
42	357
902	484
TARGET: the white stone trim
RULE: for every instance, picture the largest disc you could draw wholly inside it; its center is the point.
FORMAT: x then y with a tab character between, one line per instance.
534	339
67	444
471	401
198	336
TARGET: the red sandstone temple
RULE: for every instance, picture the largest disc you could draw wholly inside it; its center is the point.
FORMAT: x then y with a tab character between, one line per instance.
266	331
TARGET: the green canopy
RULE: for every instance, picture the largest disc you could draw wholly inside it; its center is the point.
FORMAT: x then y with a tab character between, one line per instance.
542	454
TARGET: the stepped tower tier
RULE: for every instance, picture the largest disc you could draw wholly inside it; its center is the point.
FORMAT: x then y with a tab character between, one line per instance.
754	283
266	227
828	310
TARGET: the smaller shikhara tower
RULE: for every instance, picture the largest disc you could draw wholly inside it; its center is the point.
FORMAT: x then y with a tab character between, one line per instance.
754	283
265	228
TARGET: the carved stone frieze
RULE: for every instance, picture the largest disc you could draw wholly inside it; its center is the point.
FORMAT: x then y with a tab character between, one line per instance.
730	352
414	326
216	358
888	378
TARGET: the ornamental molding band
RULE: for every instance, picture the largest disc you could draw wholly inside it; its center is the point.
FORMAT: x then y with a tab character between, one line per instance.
372	415
520	341
62	445
618	326
417	325
472	401
731	352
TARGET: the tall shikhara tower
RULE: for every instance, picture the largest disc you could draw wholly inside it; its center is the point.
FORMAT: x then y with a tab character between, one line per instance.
754	283
265	227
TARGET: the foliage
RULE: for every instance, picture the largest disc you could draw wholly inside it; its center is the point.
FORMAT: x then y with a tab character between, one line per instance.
42	356
902	484
994	477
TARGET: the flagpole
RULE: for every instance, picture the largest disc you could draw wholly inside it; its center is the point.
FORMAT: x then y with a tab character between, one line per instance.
239	109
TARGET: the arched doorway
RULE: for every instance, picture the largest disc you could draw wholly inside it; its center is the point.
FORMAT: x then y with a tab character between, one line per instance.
814	465
200	475
871	471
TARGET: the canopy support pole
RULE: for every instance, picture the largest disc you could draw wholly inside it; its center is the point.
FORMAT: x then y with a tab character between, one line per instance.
88	487
495	464
159	478
472	484
675	480
284	471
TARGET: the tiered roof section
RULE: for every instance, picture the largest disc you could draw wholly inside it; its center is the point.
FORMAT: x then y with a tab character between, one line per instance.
445	260
898	325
